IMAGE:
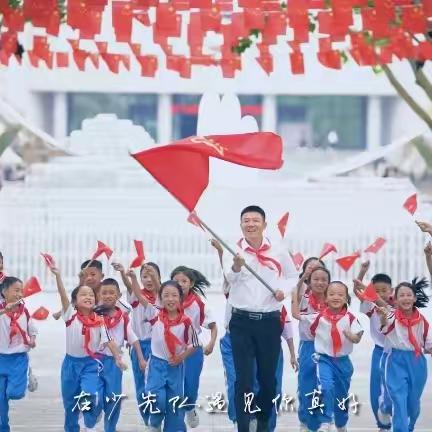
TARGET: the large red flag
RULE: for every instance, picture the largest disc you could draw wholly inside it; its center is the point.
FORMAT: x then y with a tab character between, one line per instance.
183	167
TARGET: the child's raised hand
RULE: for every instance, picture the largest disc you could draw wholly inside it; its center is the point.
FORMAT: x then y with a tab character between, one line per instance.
55	271
118	267
365	266
381	311
131	274
217	246
359	288
11	306
424	226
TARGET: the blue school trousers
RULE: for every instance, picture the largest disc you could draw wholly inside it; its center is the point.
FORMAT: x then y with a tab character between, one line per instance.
193	368
334	378
165	382
80	376
228	364
13	383
111	377
405	375
379	396
307	383
139	376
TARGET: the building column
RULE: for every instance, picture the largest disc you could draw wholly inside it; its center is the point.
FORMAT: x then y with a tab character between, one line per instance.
164	119
60	116
269	114
373	123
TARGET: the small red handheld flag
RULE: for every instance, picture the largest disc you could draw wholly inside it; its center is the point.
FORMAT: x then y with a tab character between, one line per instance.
347	262
102	248
297	259
139	247
411	204
49	260
195	220
31	287
168	164
369	294
327	248
40	314
283	223
376	245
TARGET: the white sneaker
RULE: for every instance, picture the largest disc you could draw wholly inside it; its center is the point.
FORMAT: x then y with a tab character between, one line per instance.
303	428
342	429
32	384
153	429
325	427
253	425
385	419
192	418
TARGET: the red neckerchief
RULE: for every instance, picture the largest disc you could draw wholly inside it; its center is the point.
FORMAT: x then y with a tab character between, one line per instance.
2	276
88	322
190	299
148	295
415	319
266	261
333	318
112	321
316	305
171	339
15	328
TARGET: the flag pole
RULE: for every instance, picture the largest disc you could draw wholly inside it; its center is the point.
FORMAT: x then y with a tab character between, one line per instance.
233	253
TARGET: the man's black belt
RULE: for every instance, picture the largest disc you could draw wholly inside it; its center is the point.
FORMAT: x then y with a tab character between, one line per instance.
256	315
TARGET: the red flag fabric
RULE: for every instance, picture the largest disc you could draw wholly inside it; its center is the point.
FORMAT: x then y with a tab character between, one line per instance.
347	262
195	220
138	261
376	245
283	223
40	314
327	248
297	259
168	164
2	277
31	287
369	294
102	248
411	204
49	260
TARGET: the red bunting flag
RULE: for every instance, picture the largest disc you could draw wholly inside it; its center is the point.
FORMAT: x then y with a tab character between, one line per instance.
167	164
297	259
31	287
138	261
102	248
40	314
195	220
283	223
347	262
327	248
369	294
49	260
411	204
376	245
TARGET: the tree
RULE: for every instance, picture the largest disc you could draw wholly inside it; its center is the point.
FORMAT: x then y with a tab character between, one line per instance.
373	33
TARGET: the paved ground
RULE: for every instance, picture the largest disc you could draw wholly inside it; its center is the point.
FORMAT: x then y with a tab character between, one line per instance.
42	410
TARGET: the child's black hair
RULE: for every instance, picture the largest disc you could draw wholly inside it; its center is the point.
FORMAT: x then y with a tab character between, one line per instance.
417	286
346	290
383	278
92	263
7	282
151	264
75	292
253	209
307	261
175	285
199	281
110	281
1	255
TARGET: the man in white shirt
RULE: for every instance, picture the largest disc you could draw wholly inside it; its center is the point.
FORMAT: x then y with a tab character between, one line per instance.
255	326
